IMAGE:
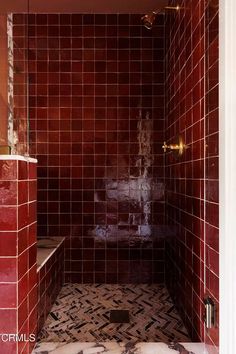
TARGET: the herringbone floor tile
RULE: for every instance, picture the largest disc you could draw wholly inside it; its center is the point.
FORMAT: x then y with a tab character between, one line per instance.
81	313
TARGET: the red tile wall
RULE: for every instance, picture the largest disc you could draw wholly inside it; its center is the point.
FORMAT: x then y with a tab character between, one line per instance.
50	281
18	281
92	79
212	165
192	181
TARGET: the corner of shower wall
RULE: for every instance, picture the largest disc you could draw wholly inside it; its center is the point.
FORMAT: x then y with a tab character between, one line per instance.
192	196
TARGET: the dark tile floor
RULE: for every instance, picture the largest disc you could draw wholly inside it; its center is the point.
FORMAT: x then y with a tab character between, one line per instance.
82	313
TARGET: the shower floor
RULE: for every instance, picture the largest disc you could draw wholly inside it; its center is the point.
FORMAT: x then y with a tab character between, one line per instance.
82	313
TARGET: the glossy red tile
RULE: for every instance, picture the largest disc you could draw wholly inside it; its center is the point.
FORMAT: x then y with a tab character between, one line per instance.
84	114
23	192
8	193
9	301
23	215
192	181
8	347
22	288
8	243
8	218
23	263
15	243
22	313
32	255
8	270
33	298
23	345
22	170
8	320
119	71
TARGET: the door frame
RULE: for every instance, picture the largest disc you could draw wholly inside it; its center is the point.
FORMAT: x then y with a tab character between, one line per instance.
227	175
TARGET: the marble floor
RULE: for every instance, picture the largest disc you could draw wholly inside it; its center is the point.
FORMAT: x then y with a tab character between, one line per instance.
81	313
119	348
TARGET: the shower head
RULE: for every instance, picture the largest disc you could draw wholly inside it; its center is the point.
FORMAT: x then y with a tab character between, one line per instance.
149	19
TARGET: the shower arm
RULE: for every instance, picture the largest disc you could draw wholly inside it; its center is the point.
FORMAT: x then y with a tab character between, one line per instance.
172	7
176	8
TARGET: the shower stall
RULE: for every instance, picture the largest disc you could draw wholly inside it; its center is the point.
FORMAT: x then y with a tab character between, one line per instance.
117	107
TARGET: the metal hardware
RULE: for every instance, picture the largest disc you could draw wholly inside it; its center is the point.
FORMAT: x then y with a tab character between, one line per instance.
149	19
178	147
172	7
5	150
209	312
166	147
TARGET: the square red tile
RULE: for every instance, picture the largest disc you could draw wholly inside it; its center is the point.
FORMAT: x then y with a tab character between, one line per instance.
8	218
8	243
9	301
8	269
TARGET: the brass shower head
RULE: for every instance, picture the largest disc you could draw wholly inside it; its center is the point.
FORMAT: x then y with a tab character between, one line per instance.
149	19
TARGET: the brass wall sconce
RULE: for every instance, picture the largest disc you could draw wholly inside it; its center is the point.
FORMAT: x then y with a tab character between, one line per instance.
178	148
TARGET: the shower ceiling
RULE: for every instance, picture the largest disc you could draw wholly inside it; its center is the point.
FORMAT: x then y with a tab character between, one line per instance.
84	6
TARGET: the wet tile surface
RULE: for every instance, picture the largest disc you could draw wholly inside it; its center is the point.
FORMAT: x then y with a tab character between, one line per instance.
82	313
97	126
